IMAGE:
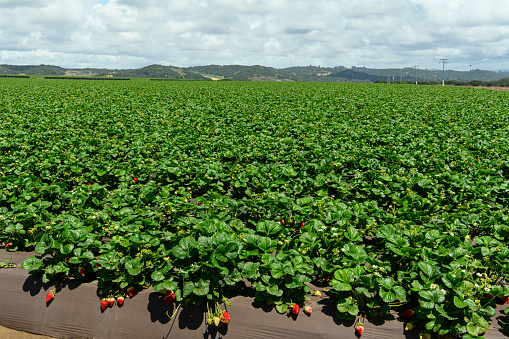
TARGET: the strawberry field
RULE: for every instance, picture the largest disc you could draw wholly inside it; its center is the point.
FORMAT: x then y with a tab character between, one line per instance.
395	197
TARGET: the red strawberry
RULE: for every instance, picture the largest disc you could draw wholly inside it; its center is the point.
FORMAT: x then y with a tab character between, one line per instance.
407	314
489	296
104	304
282	221
111	301
169	297
199	204
301	225
67	258
8	245
120	300
89	184
225	317
360	329
130	291
295	309
49	296
505	300
308	310
81	270
135	179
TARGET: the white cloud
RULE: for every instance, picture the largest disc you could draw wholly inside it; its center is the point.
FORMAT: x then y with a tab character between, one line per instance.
278	33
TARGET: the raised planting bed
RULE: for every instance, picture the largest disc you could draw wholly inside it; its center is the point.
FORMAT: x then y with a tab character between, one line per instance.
75	313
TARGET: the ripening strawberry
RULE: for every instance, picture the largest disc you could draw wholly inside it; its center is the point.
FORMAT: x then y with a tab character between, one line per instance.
359	329
130	291
82	271
49	296
111	301
225	317
308	310
169	297
120	300
295	310
407	314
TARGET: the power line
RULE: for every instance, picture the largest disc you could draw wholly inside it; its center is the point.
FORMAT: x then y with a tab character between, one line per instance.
480	62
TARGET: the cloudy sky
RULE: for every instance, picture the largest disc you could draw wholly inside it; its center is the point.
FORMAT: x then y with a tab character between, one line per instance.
279	33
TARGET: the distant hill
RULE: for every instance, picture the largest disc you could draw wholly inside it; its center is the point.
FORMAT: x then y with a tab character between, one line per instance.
159	71
32	70
263	73
350	74
243	73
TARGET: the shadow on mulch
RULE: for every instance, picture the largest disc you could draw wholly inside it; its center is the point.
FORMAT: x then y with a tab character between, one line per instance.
159	310
34	285
503	322
262	305
329	309
213	332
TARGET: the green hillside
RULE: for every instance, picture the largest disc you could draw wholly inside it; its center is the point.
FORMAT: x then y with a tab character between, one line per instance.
264	73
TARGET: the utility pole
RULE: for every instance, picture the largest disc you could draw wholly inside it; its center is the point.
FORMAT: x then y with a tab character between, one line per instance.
415	74
443	62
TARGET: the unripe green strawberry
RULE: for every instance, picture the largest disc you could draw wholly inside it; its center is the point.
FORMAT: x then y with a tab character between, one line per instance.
409	326
217	321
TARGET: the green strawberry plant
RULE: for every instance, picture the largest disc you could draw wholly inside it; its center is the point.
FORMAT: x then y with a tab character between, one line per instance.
394	196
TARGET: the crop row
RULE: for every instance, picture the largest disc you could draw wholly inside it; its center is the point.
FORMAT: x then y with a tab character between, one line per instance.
391	195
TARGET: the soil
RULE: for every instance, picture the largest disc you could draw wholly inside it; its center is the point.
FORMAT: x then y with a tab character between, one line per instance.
7	333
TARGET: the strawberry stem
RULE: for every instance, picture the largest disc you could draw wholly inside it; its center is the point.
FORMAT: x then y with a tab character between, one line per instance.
173	312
